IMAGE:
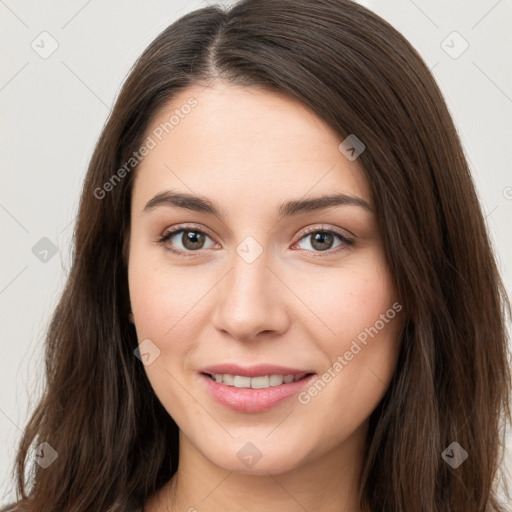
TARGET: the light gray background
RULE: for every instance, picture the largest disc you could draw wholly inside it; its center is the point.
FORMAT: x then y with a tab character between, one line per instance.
52	111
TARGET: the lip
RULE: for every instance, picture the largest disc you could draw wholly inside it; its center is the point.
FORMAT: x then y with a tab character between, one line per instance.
250	400
253	371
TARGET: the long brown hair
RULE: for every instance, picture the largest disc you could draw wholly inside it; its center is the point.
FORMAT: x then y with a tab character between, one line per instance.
115	442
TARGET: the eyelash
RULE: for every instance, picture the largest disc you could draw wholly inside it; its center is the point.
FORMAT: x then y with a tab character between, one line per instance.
348	242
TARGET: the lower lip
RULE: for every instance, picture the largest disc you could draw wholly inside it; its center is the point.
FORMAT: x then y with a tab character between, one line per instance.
253	400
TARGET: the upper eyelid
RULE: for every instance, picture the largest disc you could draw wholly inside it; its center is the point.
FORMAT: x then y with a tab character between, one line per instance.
186	227
335	230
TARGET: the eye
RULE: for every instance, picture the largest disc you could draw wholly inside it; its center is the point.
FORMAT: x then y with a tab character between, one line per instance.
322	240
188	239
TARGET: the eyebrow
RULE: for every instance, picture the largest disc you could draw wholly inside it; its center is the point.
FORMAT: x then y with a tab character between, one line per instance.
288	209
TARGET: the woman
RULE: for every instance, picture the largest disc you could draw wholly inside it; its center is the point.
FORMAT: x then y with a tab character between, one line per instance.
283	295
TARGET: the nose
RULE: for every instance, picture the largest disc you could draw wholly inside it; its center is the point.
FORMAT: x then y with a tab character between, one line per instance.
252	300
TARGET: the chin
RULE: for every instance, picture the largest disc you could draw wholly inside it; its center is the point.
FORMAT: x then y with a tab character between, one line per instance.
254	458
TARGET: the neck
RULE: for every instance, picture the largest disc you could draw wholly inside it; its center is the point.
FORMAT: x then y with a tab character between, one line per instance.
329	483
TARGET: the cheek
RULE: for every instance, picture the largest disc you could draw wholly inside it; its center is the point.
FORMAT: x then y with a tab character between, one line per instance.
359	306
352	298
160	311
160	295
160	314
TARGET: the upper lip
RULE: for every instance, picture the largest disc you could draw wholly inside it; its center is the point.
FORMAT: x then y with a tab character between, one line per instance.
252	371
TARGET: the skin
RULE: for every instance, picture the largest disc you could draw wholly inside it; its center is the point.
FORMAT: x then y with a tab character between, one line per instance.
250	150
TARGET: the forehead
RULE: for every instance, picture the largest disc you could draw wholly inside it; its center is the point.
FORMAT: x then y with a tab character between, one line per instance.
239	142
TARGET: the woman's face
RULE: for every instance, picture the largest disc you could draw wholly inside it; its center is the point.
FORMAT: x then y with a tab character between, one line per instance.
264	284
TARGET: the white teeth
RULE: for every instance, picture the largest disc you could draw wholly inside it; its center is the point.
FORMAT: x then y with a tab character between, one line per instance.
228	379
260	382
241	382
276	380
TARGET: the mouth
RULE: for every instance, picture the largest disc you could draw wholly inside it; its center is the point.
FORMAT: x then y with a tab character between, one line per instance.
254	393
258	382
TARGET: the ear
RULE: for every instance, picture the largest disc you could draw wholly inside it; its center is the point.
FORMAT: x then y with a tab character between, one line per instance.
130	317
